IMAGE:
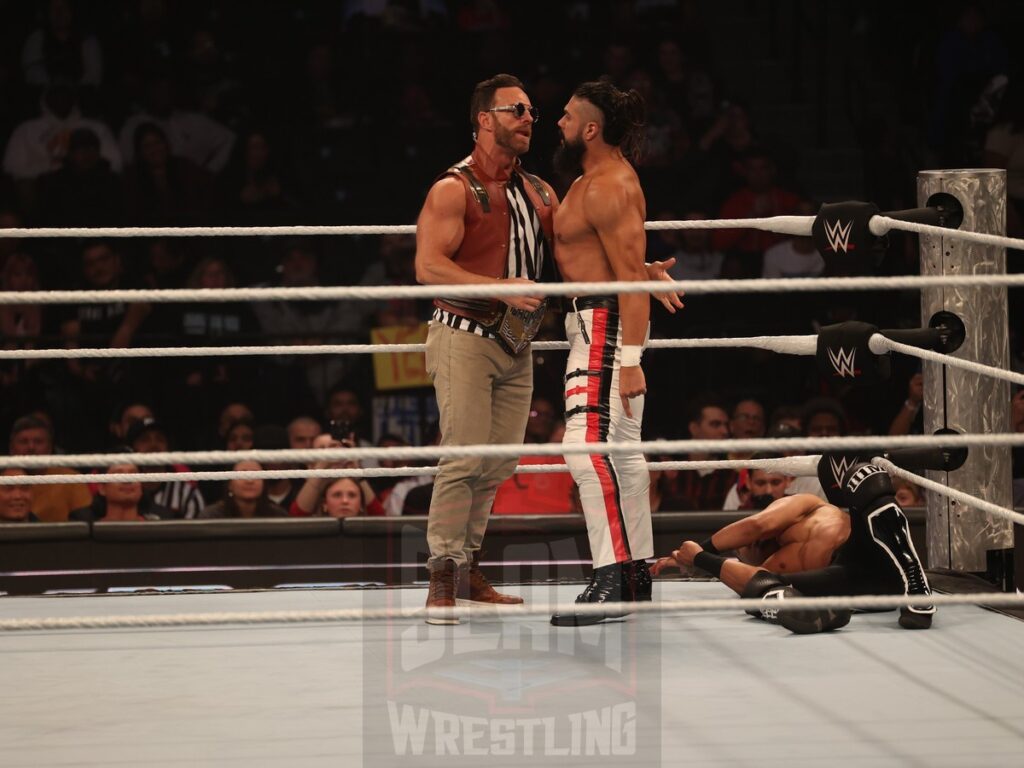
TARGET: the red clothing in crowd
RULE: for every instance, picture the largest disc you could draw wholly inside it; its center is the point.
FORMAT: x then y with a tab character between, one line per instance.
547	494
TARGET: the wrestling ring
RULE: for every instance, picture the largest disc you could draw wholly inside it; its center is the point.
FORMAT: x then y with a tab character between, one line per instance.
333	676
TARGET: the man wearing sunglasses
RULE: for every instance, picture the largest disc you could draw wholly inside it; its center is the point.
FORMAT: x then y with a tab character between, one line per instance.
485	221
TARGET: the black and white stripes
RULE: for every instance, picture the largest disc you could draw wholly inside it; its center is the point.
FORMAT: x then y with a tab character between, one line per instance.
526	246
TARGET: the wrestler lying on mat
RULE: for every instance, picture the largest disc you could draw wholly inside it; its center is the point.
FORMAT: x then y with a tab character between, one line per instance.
818	555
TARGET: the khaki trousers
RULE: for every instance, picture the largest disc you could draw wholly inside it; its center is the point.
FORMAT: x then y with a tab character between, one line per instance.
483	395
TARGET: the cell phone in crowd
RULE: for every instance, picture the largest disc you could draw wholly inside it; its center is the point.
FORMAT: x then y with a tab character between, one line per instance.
341	430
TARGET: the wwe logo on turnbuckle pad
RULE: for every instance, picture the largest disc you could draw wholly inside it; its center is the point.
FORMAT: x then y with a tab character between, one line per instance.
843	362
840	466
838	235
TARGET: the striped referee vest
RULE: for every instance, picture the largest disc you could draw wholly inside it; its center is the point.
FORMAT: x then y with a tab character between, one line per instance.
508	231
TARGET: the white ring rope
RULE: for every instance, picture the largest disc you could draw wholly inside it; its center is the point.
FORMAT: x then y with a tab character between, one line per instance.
880	225
792	345
506	450
477	290
787	345
952	493
879	343
48	624
800	226
794	466
783	225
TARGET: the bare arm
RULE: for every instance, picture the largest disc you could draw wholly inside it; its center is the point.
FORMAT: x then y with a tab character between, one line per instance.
618	221
619	224
767	524
439	232
133	317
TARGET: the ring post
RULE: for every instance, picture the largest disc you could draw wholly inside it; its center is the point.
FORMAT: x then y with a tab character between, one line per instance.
960	537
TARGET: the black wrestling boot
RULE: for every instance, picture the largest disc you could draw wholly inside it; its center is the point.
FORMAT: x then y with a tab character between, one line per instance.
773	591
607	585
638	583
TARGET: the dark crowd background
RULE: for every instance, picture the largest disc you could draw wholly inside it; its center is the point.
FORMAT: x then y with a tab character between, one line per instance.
152	112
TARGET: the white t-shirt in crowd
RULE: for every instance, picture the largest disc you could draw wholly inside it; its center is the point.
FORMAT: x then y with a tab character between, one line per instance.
783	260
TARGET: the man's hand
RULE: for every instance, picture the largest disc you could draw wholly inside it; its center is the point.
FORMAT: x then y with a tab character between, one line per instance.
631	384
525	303
663	565
686	552
658	270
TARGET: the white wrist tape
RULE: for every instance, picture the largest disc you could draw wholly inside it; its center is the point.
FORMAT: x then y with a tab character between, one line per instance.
631	355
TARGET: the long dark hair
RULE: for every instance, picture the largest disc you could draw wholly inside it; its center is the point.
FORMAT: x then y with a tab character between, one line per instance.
624	114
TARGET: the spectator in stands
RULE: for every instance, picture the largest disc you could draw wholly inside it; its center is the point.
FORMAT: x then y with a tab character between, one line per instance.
757	488
239	436
704	489
909	419
16	500
685	85
302	431
101	325
230	413
122	418
243	499
746	423
538	494
193	136
344	410
342	498
542	421
696	258
908	494
740	492
281	490
412	495
291	322
823	417
254	181
32	436
121	502
61	48
788	415
759	197
40	144
209	323
162	189
21	325
311	494
796	257
84	191
182	497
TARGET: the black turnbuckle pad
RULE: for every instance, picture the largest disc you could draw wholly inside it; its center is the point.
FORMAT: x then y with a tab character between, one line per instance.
920	459
843	228
844	356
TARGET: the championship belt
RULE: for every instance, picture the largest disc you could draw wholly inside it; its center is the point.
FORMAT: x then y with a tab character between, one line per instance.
516	328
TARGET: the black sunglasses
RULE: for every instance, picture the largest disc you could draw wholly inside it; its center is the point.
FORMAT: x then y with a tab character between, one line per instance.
518	109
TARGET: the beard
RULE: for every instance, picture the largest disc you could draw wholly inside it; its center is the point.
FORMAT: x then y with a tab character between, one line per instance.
505	138
568	158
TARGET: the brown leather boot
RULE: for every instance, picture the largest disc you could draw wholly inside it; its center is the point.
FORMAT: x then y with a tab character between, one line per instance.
443	584
474	587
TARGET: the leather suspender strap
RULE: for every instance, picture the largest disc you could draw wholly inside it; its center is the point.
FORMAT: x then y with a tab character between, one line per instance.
474	185
539	188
